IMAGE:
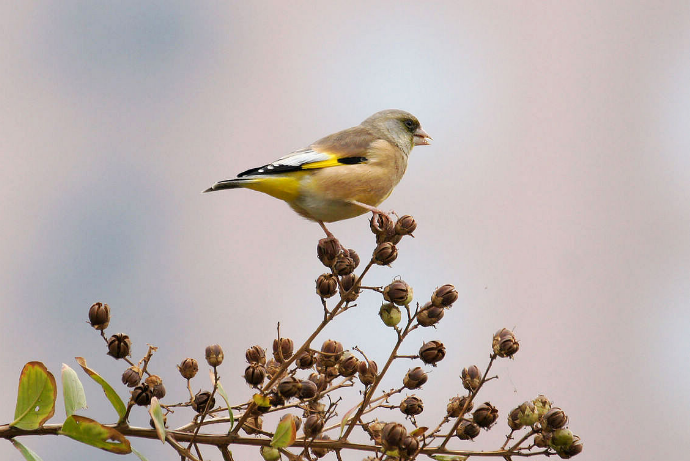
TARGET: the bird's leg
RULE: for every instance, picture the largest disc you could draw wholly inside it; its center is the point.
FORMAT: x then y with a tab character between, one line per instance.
368	207
328	233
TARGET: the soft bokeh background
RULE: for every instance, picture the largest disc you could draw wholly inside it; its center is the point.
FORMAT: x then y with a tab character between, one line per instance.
555	195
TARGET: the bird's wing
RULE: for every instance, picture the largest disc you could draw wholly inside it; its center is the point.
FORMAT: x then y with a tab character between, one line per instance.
347	147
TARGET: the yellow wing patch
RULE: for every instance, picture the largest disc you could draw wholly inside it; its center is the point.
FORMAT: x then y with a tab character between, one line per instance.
333	161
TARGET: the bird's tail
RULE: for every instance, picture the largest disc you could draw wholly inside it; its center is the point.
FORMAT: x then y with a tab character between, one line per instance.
230	184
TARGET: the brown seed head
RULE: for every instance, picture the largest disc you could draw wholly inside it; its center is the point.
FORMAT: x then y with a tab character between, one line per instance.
485	415
405	225
343	265
429	315
467	430
289	387
256	354
131	376
305	360
331	351
554	419
432	352
367	371
254	374
320	452
283	349
398	292
155	383
504	343
415	378
308	390
411	405
326	285
346	292
313	425
392	436
385	253
374	430
328	250
444	296
471	378
409	446
142	394
214	355
347	366
119	346
253	425
455	406
201	400
188	368
99	316
514	419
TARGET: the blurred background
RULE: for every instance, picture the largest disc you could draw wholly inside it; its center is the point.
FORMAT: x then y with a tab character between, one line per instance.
555	196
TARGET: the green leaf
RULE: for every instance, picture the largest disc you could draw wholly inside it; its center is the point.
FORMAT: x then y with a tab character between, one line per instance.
27	452
286	432
35	398
449	457
346	418
93	433
141	456
72	390
261	400
223	394
156	413
110	393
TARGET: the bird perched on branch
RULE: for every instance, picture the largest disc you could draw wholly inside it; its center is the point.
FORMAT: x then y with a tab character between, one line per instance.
343	175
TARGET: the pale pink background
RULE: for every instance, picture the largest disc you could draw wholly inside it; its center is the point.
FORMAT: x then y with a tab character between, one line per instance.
556	194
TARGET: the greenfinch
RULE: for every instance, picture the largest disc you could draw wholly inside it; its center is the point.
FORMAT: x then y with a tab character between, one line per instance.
343	175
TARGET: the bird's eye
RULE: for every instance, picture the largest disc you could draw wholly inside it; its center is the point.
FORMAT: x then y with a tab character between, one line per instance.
409	124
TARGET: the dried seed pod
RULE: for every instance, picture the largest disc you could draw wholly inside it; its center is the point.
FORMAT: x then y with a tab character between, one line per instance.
467	430
289	387
253	425
320	452
346	291
155	383
485	415
514	419
374	429
331	351
344	265
119	346
456	405
367	371
272	367
131	376
188	368
409	446
429	315
305	360
415	378
320	380
353	254
398	292
444	296
471	378
141	395
214	355
328	250
202	400
313	425
432	352
99	316
504	343
411	405
254	374
283	349
256	354
554	419
347	366
541	440
392	436
326	285
390	314
405	225
382	226
385	253
308	390
275	400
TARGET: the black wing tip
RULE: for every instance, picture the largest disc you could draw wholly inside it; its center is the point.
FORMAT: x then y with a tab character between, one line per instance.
210	189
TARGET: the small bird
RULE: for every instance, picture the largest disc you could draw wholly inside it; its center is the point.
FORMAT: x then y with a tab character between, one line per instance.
343	175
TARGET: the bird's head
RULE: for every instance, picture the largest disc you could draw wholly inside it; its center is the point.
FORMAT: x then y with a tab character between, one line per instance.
399	127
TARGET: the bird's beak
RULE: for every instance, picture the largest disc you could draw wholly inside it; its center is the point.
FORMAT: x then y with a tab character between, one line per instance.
421	137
